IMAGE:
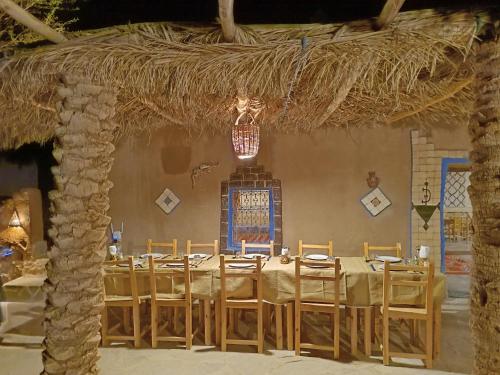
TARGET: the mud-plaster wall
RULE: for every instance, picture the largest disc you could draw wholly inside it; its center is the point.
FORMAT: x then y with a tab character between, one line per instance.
323	178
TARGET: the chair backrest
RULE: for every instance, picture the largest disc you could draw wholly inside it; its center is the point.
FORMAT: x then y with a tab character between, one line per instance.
300	277
114	275
426	281
383	249
212	247
266	247
328	247
166	245
248	273
176	273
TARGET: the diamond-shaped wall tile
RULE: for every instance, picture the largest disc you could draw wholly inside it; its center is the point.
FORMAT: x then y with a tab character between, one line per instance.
375	201
167	201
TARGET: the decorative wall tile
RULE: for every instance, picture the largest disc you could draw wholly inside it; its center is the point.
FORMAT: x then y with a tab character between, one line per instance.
375	201
167	201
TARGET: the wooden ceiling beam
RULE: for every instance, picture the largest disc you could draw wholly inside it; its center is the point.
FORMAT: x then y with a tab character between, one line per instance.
226	16
31	22
389	12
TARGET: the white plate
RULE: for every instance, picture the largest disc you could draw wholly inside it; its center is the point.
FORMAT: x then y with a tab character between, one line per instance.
136	263
381	267
317	257
383	258
154	255
172	265
241	265
316	266
253	256
197	256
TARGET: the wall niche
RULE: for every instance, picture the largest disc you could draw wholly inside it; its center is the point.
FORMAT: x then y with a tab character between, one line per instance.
251	209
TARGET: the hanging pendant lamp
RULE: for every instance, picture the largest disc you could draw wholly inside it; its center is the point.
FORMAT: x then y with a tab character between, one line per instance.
245	133
245	136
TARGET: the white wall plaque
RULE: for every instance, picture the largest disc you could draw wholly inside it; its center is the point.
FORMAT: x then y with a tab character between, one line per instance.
375	201
167	201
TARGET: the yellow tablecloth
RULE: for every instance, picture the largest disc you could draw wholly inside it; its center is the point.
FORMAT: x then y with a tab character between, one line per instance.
360	285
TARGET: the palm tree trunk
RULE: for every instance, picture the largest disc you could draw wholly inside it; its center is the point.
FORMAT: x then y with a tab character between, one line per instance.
484	129
75	286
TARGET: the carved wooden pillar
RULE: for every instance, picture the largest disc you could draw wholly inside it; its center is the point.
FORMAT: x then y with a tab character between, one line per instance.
74	286
484	191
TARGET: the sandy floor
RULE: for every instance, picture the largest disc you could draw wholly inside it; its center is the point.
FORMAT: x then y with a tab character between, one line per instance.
456	357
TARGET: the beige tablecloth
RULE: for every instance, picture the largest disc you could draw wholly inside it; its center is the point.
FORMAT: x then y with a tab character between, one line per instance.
360	285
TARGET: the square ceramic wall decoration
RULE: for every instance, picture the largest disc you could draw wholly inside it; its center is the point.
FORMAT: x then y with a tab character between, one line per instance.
167	201
375	201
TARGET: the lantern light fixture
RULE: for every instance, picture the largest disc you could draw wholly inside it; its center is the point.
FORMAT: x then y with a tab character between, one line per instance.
245	133
15	222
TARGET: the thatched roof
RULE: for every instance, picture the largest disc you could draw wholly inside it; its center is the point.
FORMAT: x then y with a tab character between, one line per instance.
179	75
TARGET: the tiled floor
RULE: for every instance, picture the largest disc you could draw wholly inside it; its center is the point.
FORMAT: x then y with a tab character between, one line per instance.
456	357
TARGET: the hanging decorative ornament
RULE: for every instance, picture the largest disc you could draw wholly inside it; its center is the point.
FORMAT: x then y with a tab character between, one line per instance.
246	132
14	220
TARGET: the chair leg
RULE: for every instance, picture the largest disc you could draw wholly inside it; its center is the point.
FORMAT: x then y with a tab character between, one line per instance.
137	325
201	316
385	338
297	329
189	325
223	346
154	326
104	326
279	326
176	319
126	320
232	325
354	330
260	329
218	324
236	319
368	331
170	317
437	331
414	331
207	321
289	326
429	338
266	317
336	334
377	329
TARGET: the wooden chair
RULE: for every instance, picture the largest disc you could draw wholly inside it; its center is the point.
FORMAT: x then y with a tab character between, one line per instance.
247	246
412	313
278	308
355	311
228	304
166	245
328	247
213	248
304	247
383	249
159	300
205	308
329	307
126	302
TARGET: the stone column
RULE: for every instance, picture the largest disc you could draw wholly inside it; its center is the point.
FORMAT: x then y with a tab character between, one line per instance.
79	204
484	191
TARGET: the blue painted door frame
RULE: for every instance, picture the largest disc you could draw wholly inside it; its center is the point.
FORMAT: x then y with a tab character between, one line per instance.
445	162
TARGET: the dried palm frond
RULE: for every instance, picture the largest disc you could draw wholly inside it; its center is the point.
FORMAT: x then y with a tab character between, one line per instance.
180	75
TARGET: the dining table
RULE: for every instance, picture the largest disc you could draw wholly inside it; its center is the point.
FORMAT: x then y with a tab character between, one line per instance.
361	284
